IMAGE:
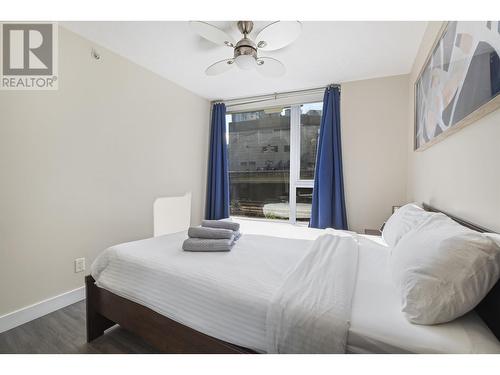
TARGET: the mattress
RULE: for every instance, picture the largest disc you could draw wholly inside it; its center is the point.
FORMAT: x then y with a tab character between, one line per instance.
226	295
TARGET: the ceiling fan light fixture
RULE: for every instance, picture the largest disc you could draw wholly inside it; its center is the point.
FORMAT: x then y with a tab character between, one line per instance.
245	54
274	36
245	62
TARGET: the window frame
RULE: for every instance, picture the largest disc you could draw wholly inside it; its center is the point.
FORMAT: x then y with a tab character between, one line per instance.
295	181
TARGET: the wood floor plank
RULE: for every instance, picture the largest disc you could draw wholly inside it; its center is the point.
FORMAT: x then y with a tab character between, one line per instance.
63	332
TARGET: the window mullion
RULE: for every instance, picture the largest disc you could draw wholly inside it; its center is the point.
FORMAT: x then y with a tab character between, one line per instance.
294	159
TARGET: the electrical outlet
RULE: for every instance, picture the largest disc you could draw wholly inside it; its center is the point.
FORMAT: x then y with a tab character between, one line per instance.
79	265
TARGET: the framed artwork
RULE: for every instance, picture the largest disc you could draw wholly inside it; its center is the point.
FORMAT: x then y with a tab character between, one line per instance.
459	82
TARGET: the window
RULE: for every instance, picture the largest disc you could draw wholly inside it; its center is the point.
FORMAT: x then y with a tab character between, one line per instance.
310	119
272	156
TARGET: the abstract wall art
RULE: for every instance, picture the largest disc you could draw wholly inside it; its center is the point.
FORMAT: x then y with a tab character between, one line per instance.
459	82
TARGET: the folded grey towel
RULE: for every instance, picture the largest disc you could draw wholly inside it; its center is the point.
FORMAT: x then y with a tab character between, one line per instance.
221	224
214	233
205	244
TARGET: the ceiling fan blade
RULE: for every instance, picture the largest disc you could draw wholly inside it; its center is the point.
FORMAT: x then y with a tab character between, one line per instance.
269	67
212	33
278	34
219	67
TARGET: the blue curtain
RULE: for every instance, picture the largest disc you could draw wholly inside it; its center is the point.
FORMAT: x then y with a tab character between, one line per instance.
217	206
328	203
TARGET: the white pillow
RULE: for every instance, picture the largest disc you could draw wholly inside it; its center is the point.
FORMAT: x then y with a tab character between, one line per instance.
443	270
402	221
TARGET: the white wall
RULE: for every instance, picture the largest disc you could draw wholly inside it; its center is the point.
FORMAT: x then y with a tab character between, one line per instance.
460	174
80	167
374	116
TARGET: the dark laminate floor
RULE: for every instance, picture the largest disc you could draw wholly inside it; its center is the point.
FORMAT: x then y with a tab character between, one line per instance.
63	332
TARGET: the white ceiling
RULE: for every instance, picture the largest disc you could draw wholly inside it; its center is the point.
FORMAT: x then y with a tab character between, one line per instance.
325	52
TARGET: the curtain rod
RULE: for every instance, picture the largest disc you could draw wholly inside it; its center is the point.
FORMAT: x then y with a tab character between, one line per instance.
275	96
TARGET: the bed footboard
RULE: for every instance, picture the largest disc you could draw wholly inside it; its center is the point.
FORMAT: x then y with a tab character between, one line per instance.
105	309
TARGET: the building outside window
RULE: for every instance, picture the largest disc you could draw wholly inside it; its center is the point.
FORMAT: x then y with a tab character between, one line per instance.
272	157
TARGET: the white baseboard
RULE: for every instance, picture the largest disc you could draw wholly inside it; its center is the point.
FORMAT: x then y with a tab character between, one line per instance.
29	313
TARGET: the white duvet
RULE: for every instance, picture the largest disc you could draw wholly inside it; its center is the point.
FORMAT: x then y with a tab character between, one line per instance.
311	310
302	291
224	295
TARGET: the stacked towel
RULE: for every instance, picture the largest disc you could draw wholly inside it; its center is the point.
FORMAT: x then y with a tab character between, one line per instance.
221	224
207	244
213	235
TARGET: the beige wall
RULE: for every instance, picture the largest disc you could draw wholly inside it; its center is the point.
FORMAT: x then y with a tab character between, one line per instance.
374	116
81	166
461	174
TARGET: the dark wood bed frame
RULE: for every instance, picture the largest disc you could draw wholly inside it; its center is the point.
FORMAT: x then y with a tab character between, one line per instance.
105	309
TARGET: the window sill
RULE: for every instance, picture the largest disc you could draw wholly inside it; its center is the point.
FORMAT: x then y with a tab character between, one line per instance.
262	220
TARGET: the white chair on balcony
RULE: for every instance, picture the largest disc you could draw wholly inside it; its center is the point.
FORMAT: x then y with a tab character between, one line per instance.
171	214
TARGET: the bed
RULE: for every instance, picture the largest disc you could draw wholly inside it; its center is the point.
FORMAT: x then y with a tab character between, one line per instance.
217	302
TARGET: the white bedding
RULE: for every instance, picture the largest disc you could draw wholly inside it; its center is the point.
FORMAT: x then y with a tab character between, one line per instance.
379	326
226	295
311	310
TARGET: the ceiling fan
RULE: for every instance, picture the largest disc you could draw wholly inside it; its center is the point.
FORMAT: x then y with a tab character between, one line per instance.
246	52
